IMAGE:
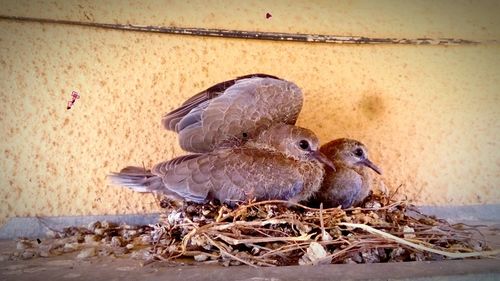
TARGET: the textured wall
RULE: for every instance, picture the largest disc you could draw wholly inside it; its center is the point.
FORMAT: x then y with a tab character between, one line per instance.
429	114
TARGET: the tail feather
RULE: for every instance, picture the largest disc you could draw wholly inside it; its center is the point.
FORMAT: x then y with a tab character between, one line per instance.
138	179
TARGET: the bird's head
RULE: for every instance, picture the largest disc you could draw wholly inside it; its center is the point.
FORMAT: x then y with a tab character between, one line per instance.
350	153
295	142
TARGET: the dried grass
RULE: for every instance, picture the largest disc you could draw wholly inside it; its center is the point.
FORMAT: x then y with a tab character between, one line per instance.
274	233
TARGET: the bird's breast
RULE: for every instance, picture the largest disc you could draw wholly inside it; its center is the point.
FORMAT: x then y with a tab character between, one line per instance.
312	173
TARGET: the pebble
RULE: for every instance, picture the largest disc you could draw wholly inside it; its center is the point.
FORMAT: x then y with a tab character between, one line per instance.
86	253
200	257
91	239
116	241
120	251
144	240
105	224
50	234
99	231
105	251
141	254
92	226
44	250
28	254
23	245
130	234
70	247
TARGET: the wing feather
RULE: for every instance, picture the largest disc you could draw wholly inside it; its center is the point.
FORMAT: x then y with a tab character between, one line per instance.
171	119
248	106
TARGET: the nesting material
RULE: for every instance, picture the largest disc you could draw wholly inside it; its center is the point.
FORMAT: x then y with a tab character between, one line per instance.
272	233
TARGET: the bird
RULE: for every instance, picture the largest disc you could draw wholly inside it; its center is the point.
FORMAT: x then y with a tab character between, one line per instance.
349	184
283	162
234	111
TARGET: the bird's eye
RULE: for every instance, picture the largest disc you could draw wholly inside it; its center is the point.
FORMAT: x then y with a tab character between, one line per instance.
358	152
303	144
245	135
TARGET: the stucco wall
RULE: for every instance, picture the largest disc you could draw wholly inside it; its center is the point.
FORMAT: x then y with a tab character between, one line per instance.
429	114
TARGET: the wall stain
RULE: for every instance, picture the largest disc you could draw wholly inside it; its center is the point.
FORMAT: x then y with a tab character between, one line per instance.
372	106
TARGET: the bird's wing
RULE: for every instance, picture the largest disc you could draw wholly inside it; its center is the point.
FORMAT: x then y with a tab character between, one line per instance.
231	176
171	119
187	176
252	173
161	168
245	108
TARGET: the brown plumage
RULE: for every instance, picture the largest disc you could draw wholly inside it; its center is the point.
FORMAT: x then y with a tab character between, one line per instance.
234	111
282	162
349	184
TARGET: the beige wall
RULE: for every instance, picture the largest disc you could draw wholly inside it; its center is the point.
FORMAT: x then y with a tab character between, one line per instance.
429	114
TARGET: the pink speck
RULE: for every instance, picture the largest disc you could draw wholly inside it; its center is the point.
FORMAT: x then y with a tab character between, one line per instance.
74	96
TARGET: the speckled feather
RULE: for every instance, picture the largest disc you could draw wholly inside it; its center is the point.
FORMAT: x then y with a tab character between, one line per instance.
260	169
234	110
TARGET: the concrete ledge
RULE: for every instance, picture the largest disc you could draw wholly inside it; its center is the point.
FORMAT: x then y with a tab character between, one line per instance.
126	270
37	227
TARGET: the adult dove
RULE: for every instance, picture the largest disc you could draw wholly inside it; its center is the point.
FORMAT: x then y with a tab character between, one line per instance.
350	183
234	111
282	162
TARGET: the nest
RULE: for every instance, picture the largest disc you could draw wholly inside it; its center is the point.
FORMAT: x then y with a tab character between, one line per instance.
272	233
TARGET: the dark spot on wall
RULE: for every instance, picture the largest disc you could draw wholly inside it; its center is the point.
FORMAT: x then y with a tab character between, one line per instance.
372	106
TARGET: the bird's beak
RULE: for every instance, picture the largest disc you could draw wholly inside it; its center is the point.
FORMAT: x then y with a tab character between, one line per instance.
370	164
323	159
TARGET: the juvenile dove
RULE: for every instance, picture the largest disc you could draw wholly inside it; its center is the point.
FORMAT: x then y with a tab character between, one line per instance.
350	183
282	162
234	111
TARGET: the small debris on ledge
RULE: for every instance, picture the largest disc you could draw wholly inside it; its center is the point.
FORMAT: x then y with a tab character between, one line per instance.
269	233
